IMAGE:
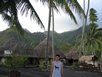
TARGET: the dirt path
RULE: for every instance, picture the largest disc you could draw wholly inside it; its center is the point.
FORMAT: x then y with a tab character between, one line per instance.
68	72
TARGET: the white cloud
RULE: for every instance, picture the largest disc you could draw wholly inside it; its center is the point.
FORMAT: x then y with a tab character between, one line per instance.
3	24
62	20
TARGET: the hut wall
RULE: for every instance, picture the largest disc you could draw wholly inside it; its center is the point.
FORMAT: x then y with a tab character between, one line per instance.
33	61
42	60
50	60
93	63
91	59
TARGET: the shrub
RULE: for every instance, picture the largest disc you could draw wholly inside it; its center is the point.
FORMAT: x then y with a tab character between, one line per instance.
41	64
15	61
75	65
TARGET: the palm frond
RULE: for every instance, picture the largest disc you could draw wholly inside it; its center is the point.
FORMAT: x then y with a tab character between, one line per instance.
76	6
10	9
67	6
13	22
25	6
68	11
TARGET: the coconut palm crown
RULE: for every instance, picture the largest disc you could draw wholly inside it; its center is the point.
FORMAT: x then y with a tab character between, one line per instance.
9	10
67	6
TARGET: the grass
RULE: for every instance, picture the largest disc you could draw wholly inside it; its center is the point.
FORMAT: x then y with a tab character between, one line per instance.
3	76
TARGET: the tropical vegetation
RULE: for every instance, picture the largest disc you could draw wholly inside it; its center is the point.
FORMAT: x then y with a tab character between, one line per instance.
90	40
15	61
84	26
66	5
93	34
9	9
93	37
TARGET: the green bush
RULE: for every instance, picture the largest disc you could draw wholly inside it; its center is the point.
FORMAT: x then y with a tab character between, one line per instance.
75	65
15	61
41	64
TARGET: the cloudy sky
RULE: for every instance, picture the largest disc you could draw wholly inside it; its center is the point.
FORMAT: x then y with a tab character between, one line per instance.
62	21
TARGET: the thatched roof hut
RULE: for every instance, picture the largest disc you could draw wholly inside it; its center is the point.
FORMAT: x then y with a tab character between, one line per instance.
10	44
73	54
42	47
16	47
91	59
85	59
28	51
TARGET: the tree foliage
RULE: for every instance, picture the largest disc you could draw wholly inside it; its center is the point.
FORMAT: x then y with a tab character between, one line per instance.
93	16
9	10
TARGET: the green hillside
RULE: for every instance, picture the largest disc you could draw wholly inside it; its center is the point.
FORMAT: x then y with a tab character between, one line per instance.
70	36
63	41
27	38
61	44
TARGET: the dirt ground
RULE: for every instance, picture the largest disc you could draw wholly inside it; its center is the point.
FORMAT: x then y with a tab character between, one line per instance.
68	72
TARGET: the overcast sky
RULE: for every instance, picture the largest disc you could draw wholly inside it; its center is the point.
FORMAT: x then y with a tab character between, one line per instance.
62	21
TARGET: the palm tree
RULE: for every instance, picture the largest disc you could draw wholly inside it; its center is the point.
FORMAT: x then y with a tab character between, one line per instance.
92	38
93	17
66	5
9	11
92	27
53	34
83	31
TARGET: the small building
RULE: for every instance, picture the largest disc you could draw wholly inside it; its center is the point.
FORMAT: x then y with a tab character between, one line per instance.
72	56
15	47
91	59
41	48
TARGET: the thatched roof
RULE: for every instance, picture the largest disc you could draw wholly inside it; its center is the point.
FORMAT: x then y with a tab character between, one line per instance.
85	59
10	43
28	50
16	47
42	47
73	54
8	46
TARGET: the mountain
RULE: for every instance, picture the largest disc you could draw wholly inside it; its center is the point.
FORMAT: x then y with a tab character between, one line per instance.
61	44
70	36
64	41
27	38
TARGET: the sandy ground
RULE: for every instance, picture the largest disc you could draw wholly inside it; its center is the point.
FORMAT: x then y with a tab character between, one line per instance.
68	72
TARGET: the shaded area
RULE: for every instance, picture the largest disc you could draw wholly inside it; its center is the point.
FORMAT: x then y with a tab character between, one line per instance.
68	72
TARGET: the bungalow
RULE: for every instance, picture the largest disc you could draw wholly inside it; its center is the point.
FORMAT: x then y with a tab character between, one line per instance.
41	48
72	56
90	59
16	47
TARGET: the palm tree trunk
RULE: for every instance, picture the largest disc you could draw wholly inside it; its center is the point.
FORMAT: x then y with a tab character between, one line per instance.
83	28
53	34
94	51
83	31
47	45
82	40
19	43
101	63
